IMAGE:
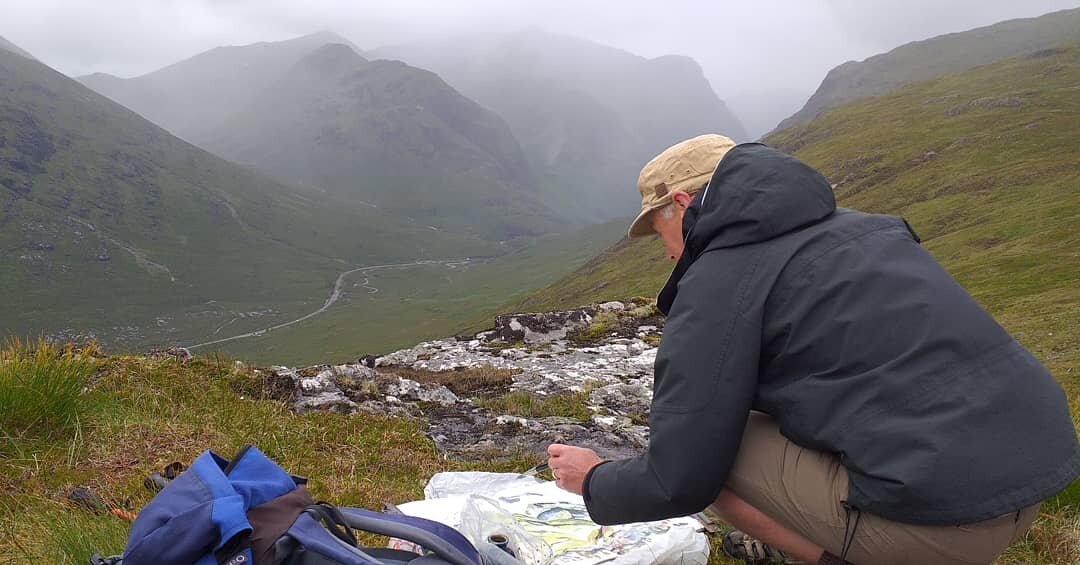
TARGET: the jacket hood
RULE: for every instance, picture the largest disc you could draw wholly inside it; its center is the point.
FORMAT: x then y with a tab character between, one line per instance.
756	193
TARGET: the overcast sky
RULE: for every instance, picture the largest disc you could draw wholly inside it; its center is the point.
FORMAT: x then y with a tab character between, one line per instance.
757	54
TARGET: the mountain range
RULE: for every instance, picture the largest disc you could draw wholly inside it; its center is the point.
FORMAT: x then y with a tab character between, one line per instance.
588	116
191	96
391	135
337	158
109	222
313	112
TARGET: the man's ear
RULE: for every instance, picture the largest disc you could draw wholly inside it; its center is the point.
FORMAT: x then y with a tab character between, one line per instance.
682	199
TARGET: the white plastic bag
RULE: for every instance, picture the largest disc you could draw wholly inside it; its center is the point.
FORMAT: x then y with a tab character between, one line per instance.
547	525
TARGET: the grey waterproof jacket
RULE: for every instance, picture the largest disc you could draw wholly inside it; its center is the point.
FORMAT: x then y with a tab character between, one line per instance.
853	338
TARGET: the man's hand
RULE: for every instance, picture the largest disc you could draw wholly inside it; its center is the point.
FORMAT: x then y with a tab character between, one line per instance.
570	464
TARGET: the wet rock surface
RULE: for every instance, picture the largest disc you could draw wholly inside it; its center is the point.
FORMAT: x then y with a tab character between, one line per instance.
600	356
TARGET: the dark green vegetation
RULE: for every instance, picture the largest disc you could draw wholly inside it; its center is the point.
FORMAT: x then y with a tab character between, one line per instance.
935	57
985	164
587	116
372	134
111	225
55	374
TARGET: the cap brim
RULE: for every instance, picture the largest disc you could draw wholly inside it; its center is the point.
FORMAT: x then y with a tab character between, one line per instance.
641	226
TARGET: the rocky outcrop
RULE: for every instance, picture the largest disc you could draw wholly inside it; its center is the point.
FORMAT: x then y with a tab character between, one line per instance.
599	357
539	328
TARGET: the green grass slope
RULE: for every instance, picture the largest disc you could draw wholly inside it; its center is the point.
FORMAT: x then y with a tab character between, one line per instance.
109	225
985	164
932	58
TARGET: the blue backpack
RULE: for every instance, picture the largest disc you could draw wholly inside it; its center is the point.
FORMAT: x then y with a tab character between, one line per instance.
250	511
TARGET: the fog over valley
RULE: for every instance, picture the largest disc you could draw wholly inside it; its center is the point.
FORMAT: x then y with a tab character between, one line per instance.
764	59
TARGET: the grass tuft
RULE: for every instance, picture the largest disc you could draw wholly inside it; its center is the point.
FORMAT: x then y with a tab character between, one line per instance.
526	405
1053	538
40	382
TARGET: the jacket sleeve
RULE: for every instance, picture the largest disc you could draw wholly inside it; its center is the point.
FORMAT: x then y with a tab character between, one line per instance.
705	380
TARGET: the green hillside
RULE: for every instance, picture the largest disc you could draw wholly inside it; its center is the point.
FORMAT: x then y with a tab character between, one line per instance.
112	228
386	134
985	164
587	115
935	57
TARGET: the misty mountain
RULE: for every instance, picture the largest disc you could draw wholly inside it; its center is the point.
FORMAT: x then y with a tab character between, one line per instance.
762	109
6	45
313	112
938	56
390	135
109	223
588	116
198	93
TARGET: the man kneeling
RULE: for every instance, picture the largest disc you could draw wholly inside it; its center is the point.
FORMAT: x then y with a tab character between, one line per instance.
822	382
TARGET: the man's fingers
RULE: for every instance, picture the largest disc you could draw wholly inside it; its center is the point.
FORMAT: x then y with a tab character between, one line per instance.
556	449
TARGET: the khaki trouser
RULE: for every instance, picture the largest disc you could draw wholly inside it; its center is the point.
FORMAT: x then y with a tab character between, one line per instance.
804	489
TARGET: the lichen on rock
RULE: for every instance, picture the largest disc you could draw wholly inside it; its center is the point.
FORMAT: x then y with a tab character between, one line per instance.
453	383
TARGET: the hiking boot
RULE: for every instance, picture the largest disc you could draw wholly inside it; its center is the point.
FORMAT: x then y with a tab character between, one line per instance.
741	546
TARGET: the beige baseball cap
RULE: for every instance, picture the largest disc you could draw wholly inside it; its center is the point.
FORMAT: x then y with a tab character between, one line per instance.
685	166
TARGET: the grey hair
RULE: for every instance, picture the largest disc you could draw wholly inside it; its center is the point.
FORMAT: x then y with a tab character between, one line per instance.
667	212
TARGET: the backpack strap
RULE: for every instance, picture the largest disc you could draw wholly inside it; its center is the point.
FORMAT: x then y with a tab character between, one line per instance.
328	515
445	542
270	521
